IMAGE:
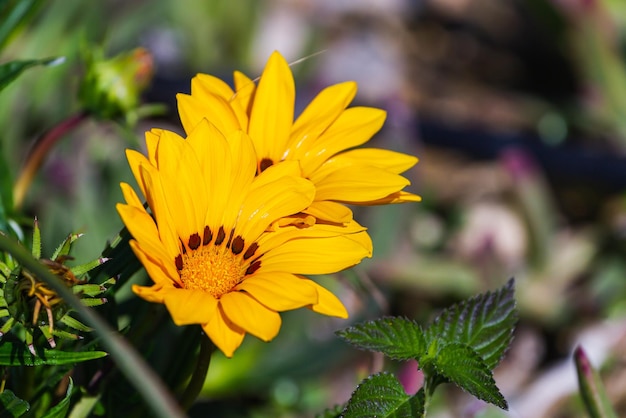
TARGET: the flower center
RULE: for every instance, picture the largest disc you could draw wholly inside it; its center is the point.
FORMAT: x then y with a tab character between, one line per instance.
212	270
215	266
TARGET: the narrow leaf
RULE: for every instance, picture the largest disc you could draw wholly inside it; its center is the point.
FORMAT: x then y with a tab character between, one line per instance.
11	405
397	338
13	14
382	395
11	70
485	323
461	365
16	354
60	410
591	388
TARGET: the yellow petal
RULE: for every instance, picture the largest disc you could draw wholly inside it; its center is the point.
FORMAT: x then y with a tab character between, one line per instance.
318	256
244	92
353	127
130	196
330	211
225	335
136	160
152	294
272	111
250	315
211	107
203	85
279	291
190	306
358	184
398	197
395	162
323	110
152	141
159	269
328	304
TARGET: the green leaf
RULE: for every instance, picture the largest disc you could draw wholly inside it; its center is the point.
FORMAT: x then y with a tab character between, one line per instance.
591	388
382	395
60	410
397	338
463	366
485	323
11	405
16	354
11	70
13	13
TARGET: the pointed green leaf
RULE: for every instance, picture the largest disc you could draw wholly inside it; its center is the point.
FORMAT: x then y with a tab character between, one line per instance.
485	323
382	395
16	354
60	409
591	388
463	366
397	338
11	405
11	70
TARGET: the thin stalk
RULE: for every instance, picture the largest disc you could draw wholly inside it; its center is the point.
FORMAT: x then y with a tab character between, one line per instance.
40	150
199	375
132	365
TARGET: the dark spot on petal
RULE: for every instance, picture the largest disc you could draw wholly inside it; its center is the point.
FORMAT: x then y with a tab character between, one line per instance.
183	246
253	267
194	241
179	262
221	234
207	236
238	244
265	164
250	251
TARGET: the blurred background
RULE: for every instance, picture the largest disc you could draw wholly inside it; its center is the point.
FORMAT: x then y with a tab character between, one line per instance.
517	111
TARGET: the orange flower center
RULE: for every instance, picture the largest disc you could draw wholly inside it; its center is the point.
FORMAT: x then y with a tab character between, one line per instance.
215	266
212	270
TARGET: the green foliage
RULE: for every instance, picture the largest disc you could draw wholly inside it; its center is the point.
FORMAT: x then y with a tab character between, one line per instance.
463	366
61	409
382	395
11	405
484	322
12	14
17	354
462	345
592	389
397	338
11	70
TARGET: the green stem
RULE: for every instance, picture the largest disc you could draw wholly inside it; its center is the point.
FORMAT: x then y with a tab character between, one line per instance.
134	367
199	375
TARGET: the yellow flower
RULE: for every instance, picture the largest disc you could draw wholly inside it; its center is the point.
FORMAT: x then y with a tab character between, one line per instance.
211	242
322	138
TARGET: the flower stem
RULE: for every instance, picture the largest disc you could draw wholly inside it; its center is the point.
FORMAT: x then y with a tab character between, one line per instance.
199	375
41	149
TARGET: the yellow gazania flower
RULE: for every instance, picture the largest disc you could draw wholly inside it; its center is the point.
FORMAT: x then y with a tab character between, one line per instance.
211	244
321	138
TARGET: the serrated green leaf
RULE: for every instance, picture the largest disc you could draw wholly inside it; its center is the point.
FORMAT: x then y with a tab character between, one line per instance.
397	338
16	354
382	396
463	366
11	70
60	409
11	405
485	323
